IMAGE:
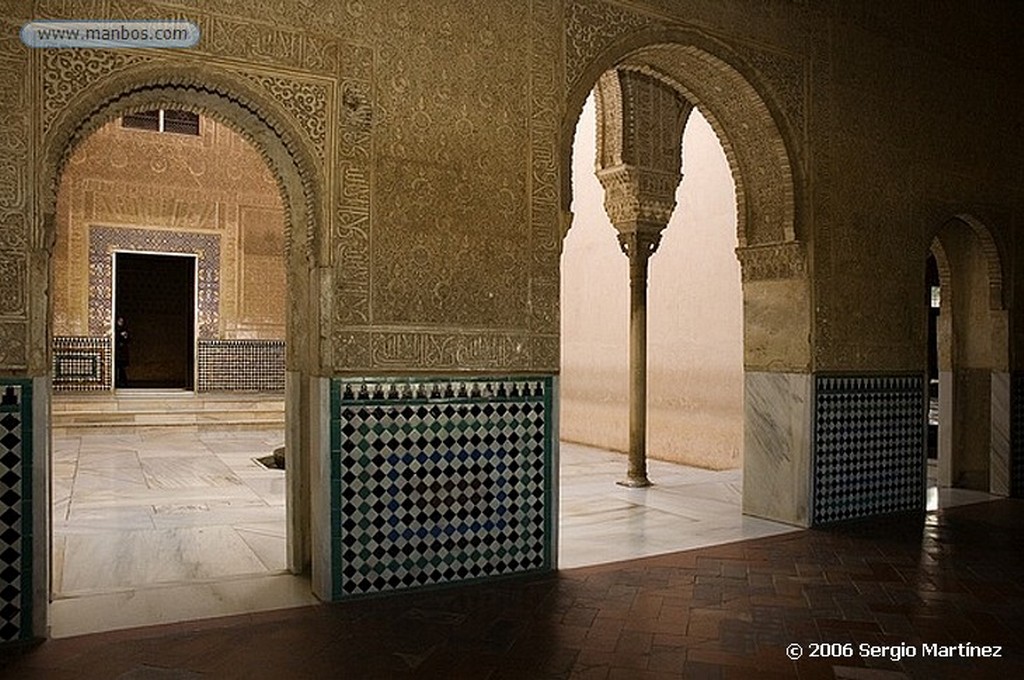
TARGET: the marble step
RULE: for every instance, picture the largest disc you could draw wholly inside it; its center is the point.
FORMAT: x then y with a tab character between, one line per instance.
171	409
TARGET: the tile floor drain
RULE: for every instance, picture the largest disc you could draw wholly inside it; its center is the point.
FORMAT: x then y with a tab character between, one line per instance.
274	461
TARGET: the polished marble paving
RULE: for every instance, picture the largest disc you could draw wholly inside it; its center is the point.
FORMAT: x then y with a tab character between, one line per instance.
148	507
686	507
187	518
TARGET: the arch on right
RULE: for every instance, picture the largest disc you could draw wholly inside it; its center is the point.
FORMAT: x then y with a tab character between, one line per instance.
760	146
970	377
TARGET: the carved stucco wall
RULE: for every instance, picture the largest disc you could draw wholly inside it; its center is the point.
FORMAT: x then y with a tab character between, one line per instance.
454	207
426	138
15	195
415	118
901	121
920	143
757	114
214	184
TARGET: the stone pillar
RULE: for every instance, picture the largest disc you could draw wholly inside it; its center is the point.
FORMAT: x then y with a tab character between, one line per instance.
638	247
639	134
639	202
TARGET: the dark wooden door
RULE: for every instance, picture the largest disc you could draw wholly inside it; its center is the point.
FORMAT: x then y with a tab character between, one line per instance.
155	298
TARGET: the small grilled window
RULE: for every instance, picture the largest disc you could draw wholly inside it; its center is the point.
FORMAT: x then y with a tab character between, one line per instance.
163	120
145	120
181	122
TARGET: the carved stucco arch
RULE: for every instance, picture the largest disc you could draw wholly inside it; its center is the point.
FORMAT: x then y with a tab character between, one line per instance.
944	328
997	327
225	97
959	341
942	264
712	78
990	251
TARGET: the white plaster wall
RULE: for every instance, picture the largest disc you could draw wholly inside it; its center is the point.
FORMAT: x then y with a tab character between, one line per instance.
695	314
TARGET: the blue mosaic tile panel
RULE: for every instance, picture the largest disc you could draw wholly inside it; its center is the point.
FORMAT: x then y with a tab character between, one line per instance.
1017	435
439	481
241	365
104	241
81	363
869	446
15	510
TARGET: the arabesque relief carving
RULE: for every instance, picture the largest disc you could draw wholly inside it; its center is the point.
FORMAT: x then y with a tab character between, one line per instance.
752	138
306	101
773	261
448	197
370	107
12	345
591	26
12	293
640	129
351	234
545	66
15	179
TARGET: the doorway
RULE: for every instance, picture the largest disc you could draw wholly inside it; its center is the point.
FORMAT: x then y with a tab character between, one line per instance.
934	291
154	320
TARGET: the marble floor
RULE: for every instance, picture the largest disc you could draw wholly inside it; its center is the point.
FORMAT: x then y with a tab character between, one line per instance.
687	507
156	525
153	506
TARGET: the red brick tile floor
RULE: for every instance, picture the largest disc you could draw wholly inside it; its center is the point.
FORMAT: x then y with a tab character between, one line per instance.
730	611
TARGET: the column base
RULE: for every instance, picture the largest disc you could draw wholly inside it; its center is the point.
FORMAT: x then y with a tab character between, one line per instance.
632	483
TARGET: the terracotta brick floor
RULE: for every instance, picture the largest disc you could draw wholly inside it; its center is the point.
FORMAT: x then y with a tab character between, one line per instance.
954	576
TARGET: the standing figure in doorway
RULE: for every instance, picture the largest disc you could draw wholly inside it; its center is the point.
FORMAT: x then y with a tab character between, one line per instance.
121	352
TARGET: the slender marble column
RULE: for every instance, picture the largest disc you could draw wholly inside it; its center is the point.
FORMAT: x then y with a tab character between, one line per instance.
638	246
640	128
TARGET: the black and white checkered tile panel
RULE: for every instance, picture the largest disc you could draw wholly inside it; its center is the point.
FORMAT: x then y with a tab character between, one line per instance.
241	365
432	487
15	511
869	446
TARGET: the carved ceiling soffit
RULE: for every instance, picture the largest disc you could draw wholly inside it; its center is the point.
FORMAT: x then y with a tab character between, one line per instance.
641	120
773	261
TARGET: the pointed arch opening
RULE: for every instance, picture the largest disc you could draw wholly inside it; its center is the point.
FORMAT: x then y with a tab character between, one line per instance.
248	120
969	412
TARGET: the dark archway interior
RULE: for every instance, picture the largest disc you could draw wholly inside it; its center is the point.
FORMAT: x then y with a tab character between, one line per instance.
932	284
155	297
